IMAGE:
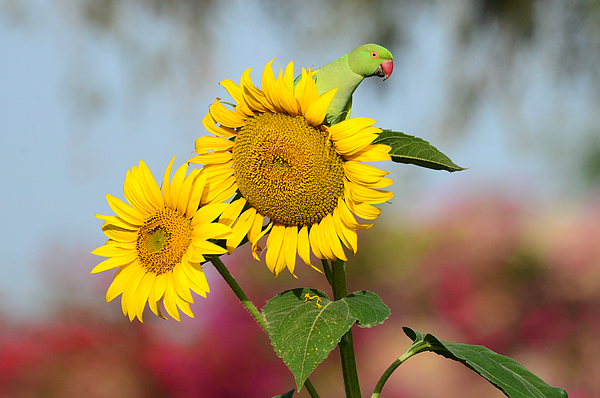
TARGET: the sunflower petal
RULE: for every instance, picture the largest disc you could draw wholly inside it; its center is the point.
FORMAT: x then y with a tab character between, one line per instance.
124	211
209	123
120	280
150	188
208	213
207	144
315	114
289	247
240	229
275	261
224	116
115	262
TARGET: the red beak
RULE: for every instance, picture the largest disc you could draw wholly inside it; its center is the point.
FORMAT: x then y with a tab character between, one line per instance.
387	67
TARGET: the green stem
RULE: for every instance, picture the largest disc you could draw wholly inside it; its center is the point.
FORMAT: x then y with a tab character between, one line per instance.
327	270
311	390
415	348
250	307
239	292
338	285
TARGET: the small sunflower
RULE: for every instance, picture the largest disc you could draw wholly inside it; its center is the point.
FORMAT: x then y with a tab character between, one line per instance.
274	152
159	240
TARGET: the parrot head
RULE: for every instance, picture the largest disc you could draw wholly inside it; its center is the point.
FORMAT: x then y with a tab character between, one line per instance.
371	60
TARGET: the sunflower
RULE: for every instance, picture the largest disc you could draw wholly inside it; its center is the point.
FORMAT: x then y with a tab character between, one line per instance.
282	163
159	240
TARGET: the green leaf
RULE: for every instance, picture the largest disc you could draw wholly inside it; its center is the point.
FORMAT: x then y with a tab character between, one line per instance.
413	150
305	330
288	394
367	308
506	374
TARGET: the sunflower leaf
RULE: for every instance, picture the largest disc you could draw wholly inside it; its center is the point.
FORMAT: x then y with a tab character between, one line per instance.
414	150
305	326
506	374
288	394
367	308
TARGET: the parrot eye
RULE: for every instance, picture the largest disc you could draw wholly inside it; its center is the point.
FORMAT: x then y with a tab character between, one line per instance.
374	54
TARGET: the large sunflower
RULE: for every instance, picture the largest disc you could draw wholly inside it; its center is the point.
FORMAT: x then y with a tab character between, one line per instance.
275	154
159	241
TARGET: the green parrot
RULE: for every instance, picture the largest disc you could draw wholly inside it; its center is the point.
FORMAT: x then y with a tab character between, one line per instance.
347	72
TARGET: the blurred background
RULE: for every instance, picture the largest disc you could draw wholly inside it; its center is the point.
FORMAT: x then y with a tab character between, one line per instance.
504	254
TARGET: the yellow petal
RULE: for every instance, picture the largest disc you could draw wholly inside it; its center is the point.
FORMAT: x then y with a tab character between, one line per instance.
361	193
234	90
150	188
130	288
255	246
350	127
351	145
186	191
141	295
255	233
366	174
118	222
111	250
219	194
158	290
333	238
224	116
207	144
180	282
120	280
166	184
115	262
316	112
274	258
313	238
184	306
347	235
363	210
154	306
211	158
304	246
269	87
289	246
371	153
119	234
240	229
196	279
169	298
220	131
195	196
135	194
124	211
255	98
176	185
232	212
208	213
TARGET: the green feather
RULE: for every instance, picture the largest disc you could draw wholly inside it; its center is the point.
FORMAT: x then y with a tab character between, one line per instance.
346	73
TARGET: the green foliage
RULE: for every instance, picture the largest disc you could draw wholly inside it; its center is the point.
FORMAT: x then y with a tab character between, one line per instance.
508	375
305	325
288	394
414	150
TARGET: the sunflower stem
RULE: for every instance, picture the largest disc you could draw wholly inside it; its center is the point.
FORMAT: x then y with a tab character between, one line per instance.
327	270
237	289
415	348
346	344
239	292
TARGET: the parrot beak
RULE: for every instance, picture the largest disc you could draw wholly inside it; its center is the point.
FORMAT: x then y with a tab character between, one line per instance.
385	69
